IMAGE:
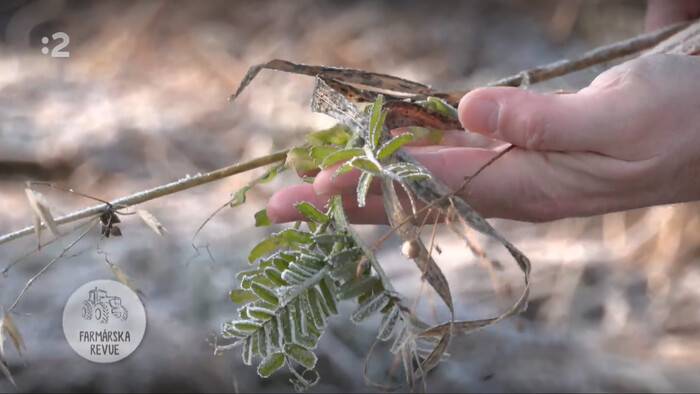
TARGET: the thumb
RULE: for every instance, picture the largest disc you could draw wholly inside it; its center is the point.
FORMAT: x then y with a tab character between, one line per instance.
539	121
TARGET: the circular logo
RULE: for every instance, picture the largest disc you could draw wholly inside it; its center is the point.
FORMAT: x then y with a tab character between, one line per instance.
104	321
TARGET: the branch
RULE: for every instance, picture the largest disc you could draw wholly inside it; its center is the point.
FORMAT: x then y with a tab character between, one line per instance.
591	58
159	191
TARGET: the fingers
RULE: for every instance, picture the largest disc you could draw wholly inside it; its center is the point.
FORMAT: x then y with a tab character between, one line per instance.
452	138
537	121
515	186
280	207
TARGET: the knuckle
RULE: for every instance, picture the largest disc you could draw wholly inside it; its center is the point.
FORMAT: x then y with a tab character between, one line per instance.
535	130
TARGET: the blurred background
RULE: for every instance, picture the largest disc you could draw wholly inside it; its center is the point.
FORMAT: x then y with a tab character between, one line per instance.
142	101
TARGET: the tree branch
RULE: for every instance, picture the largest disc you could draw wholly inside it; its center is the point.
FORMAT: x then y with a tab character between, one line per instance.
159	191
591	58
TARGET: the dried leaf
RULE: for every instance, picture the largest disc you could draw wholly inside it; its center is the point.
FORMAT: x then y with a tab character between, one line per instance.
7	326
151	221
360	77
299	159
40	207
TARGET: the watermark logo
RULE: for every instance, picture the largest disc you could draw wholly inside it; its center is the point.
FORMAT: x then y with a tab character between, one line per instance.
104	321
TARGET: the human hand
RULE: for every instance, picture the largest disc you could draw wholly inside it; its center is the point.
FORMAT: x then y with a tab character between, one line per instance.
631	139
662	13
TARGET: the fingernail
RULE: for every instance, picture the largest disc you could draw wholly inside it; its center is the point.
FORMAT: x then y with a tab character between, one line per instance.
481	115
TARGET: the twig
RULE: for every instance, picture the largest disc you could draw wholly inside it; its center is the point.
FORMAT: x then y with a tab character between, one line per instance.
591	58
159	191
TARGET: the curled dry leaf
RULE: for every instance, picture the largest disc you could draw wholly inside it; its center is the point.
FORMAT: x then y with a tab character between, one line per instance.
7	326
151	221
42	213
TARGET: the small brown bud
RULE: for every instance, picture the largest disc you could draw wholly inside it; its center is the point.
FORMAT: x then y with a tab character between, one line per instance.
410	249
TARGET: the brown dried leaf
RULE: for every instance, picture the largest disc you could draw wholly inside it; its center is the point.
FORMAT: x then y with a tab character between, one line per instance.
7	326
122	277
42	213
341	74
151	221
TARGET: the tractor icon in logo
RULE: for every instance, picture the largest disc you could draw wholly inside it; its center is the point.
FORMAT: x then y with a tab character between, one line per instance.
101	306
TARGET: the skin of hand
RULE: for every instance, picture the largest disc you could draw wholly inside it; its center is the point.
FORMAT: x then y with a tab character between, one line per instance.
631	139
661	13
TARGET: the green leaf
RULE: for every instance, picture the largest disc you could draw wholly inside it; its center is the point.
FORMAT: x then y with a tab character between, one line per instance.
370	306
311	212
240	296
345	167
298	314
328	294
440	106
365	164
433	135
264	344
388	324
248	351
331	238
228	331
341	155
239	196
246	325
375	120
395	143
301	355
355	287
292	277
270	364
265	293
277	333
317	314
318	153
275	276
407	171
260	313
287	323
261	218
299	159
336	135
286	237
363	187
241	275
348	255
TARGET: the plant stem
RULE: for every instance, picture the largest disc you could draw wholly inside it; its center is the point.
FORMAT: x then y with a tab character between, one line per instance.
591	58
159	191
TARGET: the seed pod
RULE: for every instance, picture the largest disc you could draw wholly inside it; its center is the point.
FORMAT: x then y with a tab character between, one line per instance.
410	249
